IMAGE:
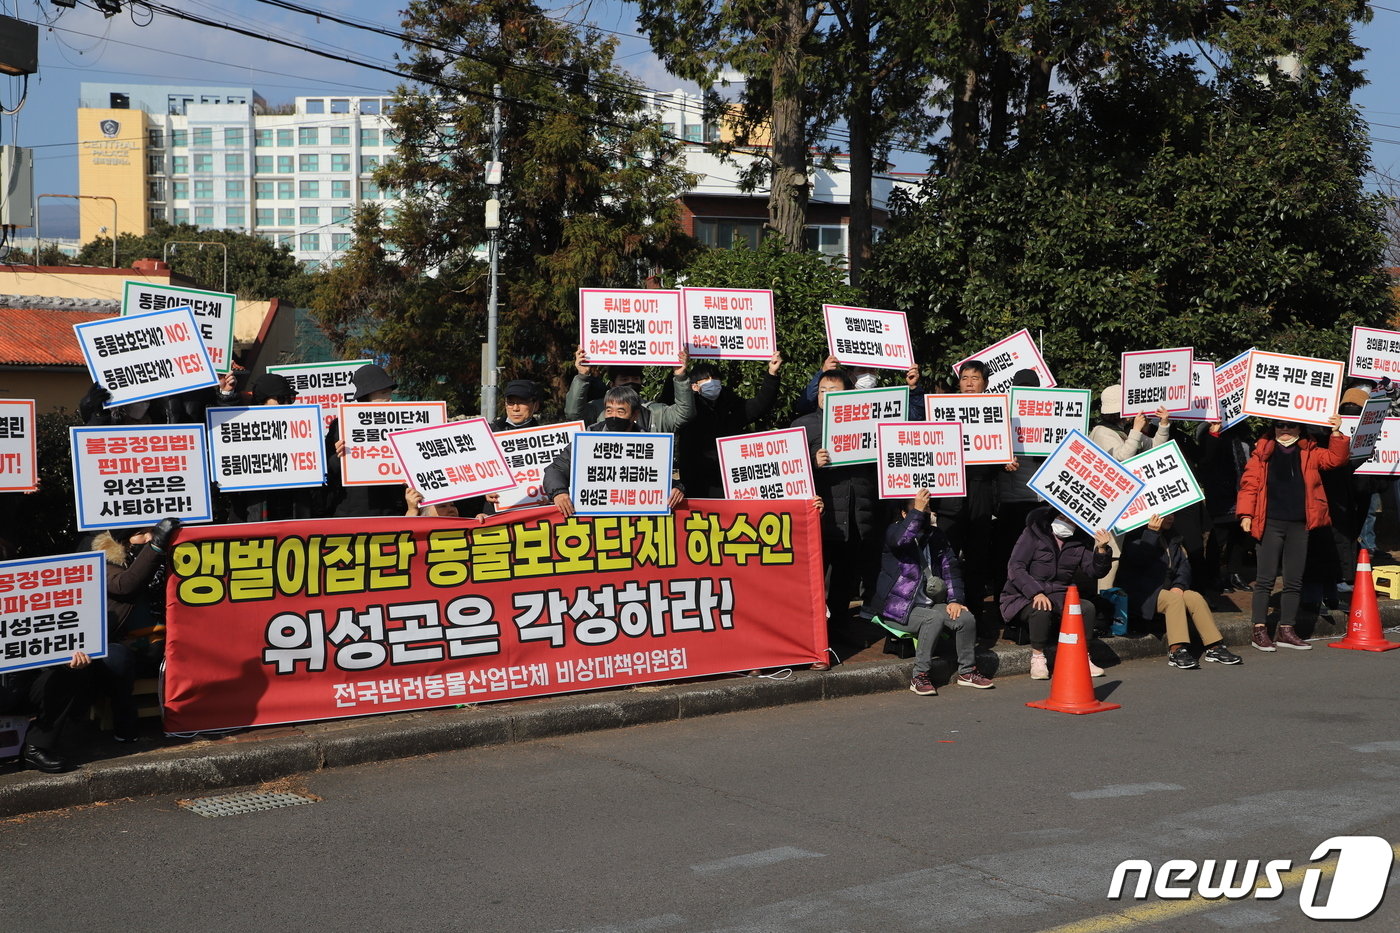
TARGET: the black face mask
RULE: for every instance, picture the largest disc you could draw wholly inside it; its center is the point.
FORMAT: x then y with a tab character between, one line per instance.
617	424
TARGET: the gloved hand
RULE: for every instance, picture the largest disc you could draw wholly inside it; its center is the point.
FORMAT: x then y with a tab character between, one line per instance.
164	533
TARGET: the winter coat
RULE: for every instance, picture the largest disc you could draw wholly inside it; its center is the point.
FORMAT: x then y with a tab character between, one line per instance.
558	475
902	565
1124	444
343	501
1221	460
850	491
584	402
1152	562
1313	459
129	598
1043	564
697	455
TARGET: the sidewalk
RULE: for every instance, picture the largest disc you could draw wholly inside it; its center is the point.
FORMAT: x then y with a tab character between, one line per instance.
161	765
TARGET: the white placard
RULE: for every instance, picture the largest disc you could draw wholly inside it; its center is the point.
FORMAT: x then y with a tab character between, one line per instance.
1230	381
986	424
51	607
266	447
325	384
1152	379
767	465
849	420
18	450
365	428
1008	356
1042	418
729	323
630	326
868	337
1169	486
528	453
132	477
1365	429
457	460
1082	480
1204	406
1385	456
145	356
1292	388
1375	353
213	313
916	455
621	473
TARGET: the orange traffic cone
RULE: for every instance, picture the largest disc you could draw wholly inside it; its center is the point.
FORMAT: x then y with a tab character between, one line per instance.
1071	689
1364	621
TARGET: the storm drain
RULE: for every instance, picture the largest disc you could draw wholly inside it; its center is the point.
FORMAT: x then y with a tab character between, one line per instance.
245	802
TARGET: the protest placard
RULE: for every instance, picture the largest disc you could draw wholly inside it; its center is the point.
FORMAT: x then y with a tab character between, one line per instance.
365	428
630	326
18	469
1006	357
621	473
324	384
1169	486
986	424
868	337
213	314
452	461
1204	405
1365	428
266	447
1229	389
145	356
1385	452
849	420
1083	481
767	465
916	455
51	607
134	476
1375	353
1292	388
1042	418
729	323
528	452
1153	379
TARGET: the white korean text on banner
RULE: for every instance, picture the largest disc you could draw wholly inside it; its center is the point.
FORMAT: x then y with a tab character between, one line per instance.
145	356
986	424
916	455
266	447
528	453
621	473
1204	405
1292	388
868	337
324	384
630	326
1168	486
767	465
1082	480
1008	356
849	420
365	428
452	461
1365	429
1153	379
1042	418
213	313
130	477
729	323
1375	353
1385	452
1230	382
51	607
18	468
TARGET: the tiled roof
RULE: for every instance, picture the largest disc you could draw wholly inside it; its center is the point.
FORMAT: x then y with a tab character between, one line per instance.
37	337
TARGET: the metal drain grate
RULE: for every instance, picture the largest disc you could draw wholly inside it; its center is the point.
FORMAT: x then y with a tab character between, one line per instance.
245	802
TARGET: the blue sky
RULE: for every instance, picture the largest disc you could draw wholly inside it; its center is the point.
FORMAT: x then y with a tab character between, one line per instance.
80	45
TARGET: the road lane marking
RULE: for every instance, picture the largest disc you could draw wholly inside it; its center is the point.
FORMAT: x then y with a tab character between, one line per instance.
1377	747
1123	790
756	859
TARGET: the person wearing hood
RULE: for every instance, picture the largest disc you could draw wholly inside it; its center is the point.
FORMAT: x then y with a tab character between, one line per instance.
371	384
586	398
272	505
719	412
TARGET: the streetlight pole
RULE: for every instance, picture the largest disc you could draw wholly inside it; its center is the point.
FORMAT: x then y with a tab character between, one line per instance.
489	363
38	242
166	250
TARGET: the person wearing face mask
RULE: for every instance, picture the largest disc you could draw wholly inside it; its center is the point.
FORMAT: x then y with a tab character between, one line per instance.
585	400
1281	499
1123	440
272	505
862	378
1051	554
719	412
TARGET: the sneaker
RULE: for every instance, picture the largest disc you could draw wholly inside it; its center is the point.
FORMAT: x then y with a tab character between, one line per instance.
1343	587
1287	638
974	678
1094	669
1261	640
1040	668
923	686
1183	659
1222	655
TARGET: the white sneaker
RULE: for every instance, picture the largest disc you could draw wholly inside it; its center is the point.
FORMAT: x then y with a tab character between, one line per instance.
1040	669
1095	670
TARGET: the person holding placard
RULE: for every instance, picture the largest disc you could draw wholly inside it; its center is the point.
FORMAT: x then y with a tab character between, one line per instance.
586	399
1124	442
371	384
862	377
53	696
272	505
1015	500
719	412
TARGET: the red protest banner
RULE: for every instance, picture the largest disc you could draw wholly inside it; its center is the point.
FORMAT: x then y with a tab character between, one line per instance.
338	618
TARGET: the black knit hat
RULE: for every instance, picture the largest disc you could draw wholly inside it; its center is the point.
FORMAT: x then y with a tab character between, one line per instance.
271	385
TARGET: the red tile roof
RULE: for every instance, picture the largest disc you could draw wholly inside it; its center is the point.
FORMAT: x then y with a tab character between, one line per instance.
36	337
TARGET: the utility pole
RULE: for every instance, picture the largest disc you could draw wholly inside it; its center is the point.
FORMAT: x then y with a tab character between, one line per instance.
493	227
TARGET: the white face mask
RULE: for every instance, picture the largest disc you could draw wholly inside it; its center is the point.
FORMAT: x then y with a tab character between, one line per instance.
1287	441
1061	528
867	381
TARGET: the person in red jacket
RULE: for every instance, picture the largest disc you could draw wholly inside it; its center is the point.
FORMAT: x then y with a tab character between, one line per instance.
1281	499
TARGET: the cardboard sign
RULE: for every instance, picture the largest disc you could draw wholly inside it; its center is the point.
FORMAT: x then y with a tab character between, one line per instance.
51	607
266	447
1385	452
868	337
528	452
145	356
1042	418
133	477
1292	388
1005	358
457	460
630	326
849	420
1083	481
767	465
621	473
1153	379
918	455
1365	429
729	323
986	424
365	428
1204	405
1169	486
324	384
1230	382
1375	353
213	313
18	458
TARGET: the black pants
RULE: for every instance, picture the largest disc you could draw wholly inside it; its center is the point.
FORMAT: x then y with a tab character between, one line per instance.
52	695
1286	544
1042	622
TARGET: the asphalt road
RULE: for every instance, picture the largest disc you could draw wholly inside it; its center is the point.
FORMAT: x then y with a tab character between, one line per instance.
965	811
